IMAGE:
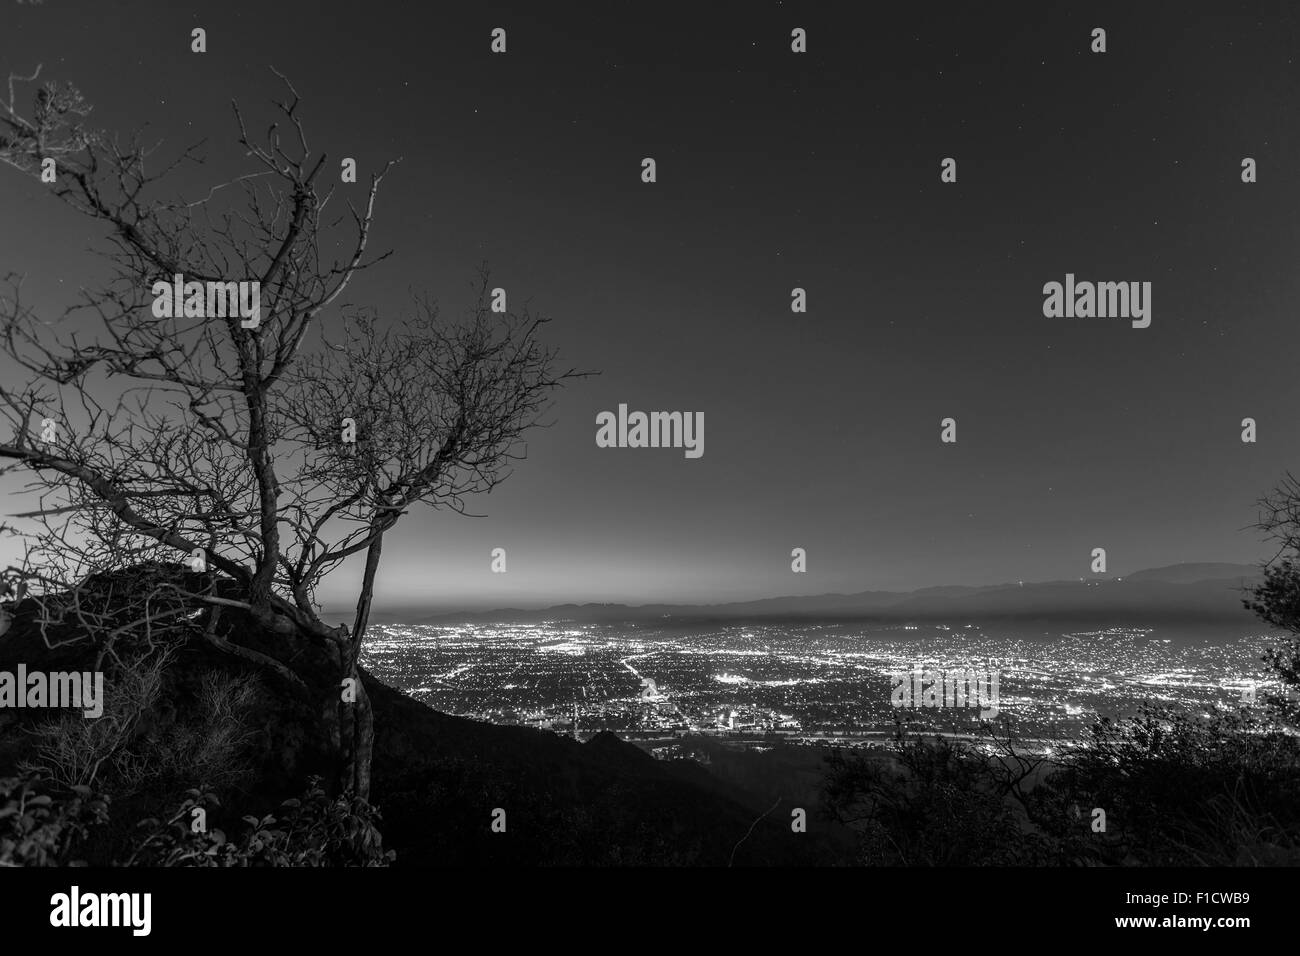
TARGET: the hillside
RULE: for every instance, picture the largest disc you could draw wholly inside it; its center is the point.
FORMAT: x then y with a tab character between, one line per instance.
437	778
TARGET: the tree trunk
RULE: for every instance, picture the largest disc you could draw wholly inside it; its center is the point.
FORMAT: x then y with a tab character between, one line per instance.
363	742
360	723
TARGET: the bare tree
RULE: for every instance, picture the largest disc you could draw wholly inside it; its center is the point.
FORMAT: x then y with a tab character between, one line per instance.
1276	600
227	446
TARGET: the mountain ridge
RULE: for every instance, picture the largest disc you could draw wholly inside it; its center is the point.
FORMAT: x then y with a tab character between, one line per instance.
1190	591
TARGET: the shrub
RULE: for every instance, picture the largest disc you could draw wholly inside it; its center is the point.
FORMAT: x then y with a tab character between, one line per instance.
44	829
1181	789
927	804
133	750
314	830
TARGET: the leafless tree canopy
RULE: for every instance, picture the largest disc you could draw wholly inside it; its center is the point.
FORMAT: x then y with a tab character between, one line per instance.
180	437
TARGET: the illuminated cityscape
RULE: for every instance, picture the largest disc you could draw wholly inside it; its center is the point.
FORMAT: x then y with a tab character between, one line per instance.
800	683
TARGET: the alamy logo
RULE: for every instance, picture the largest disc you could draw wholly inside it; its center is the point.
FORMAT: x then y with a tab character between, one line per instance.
1084	300
653	430
84	692
925	687
208	300
102	909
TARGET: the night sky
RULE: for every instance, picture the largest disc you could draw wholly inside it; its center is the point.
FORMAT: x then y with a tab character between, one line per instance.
776	170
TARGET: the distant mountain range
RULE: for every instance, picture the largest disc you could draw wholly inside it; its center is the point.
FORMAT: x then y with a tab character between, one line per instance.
1184	594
